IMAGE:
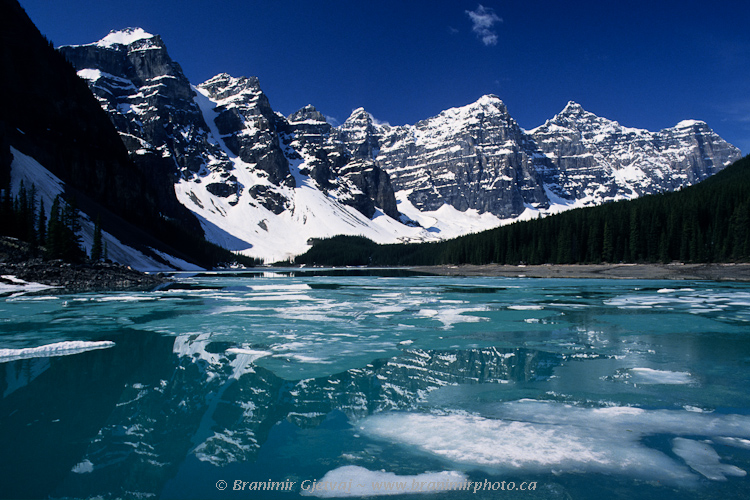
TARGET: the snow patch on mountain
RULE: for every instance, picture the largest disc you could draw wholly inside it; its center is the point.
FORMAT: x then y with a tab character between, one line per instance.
244	225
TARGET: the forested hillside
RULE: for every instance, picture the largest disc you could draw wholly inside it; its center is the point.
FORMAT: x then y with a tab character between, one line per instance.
708	222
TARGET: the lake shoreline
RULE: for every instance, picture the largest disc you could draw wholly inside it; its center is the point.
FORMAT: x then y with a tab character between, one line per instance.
64	277
676	271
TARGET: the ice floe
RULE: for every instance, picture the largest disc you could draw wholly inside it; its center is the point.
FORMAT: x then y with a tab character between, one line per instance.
83	467
651	376
50	350
702	458
11	284
355	481
450	316
529	436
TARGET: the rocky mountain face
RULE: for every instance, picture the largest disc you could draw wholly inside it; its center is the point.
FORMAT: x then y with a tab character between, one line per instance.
474	157
150	102
265	184
248	126
245	170
355	179
154	107
477	157
596	159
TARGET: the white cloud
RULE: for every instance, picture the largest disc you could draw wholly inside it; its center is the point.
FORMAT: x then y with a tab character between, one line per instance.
379	123
332	120
482	20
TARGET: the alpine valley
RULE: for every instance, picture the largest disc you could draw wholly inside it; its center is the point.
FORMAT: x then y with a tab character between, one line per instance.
267	185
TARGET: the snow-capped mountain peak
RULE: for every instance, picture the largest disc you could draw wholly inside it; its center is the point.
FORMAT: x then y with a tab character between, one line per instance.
225	88
125	36
309	115
491	100
692	124
488	105
359	114
572	109
358	119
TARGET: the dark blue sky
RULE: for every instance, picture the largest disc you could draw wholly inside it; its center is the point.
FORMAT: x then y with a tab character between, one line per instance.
645	64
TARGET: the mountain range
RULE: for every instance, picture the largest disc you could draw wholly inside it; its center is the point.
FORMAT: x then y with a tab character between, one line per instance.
267	185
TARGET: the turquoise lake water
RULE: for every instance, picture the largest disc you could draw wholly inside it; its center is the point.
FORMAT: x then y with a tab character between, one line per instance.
362	383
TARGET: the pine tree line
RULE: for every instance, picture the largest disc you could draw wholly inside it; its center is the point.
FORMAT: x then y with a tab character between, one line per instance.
55	238
23	216
708	222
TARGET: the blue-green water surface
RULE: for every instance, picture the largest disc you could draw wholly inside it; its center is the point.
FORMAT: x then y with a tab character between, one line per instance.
361	384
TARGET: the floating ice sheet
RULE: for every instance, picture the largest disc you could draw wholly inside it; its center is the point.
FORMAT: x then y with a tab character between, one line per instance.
11	284
651	376
702	458
83	467
355	481
49	350
538	437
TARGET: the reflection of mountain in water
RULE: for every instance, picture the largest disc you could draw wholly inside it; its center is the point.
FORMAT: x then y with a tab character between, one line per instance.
142	407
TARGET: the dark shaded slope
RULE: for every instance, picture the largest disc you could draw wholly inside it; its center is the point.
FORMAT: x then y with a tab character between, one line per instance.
49	113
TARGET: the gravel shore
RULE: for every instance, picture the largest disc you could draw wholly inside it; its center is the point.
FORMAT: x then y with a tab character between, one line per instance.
66	277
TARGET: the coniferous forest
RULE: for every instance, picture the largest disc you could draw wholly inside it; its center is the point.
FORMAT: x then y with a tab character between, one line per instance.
707	222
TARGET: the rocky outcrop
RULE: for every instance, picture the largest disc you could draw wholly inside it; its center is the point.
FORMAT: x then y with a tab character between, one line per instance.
76	278
247	125
353	179
361	135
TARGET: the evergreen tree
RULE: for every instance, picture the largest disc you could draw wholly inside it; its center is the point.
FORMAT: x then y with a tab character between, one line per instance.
663	248
20	209
635	235
41	230
72	250
6	212
608	243
96	247
63	240
54	230
29	222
